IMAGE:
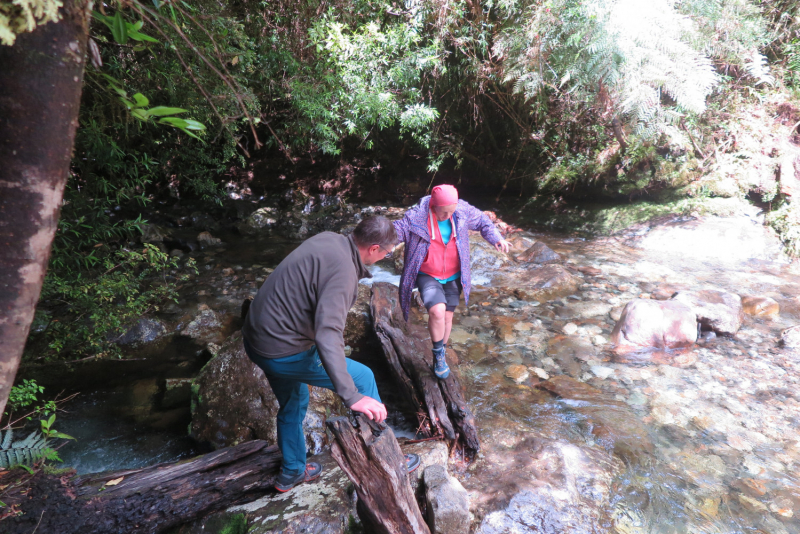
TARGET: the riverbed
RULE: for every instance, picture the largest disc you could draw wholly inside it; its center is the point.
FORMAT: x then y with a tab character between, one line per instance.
717	446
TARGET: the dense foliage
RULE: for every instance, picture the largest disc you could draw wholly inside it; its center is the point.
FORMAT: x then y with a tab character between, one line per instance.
592	98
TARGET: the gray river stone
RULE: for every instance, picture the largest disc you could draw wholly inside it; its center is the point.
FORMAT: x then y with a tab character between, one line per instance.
205	326
539	253
145	330
448	502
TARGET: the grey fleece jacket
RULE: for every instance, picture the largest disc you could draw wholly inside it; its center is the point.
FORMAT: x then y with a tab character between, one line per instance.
305	302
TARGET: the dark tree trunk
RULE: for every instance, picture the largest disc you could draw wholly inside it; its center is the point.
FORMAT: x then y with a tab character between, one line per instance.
369	454
408	350
40	88
154	499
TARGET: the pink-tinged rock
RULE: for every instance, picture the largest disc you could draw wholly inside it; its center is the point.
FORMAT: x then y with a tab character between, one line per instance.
761	307
654	324
719	311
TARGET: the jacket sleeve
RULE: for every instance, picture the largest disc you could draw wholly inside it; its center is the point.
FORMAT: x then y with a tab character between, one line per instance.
479	221
401	227
333	303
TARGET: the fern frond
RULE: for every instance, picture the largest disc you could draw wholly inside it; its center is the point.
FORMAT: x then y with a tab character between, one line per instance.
23	452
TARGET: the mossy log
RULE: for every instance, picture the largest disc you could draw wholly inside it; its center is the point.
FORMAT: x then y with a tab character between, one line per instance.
153	499
407	347
370	455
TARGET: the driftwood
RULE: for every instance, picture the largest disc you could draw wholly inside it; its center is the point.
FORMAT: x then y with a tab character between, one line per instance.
369	454
408	350
156	498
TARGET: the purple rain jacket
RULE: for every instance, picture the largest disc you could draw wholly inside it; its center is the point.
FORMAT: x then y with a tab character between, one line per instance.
413	230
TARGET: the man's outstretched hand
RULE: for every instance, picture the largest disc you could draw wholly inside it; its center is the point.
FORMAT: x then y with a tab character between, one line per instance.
371	408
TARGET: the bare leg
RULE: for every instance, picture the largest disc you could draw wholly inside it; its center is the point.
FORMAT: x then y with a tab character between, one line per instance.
437	321
448	325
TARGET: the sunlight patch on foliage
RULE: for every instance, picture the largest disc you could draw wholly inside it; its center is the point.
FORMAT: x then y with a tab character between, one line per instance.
19	16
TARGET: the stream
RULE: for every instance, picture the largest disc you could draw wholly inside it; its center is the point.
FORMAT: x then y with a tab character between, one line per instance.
716	450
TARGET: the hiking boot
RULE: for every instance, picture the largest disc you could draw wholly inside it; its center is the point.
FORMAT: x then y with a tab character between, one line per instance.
412	462
286	482
440	367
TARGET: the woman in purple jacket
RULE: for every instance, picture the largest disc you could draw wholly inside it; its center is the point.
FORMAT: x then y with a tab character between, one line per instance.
439	269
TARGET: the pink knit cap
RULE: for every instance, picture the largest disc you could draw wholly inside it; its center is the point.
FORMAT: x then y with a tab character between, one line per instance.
444	195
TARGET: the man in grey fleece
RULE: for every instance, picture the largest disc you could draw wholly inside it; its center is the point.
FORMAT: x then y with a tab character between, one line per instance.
294	327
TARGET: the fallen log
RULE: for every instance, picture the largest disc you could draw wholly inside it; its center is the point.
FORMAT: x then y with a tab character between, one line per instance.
370	455
153	499
407	347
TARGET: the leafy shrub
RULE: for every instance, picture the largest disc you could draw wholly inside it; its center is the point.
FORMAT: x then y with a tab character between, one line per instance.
93	305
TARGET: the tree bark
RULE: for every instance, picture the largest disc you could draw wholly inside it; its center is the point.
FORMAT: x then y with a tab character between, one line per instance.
408	350
369	454
154	499
40	87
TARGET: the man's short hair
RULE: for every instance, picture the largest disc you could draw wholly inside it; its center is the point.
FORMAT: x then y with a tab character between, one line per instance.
375	231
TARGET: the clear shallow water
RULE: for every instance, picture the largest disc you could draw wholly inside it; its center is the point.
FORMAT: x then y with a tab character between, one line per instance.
725	447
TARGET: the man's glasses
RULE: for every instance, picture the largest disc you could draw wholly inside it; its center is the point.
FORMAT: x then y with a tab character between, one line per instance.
389	252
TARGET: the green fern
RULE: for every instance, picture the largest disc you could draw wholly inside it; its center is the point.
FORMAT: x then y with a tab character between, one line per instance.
24	452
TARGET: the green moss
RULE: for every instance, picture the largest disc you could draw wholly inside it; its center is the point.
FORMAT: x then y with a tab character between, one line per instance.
786	221
237	524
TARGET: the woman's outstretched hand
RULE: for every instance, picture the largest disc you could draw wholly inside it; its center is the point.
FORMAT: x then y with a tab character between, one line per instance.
503	246
371	408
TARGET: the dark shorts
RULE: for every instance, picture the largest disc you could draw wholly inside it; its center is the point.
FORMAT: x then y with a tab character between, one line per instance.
434	292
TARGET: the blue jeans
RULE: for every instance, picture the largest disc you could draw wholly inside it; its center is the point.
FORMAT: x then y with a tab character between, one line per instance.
288	377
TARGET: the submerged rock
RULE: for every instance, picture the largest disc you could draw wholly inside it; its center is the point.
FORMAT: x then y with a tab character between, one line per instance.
654	324
207	240
761	307
539	253
569	491
719	311
540	283
611	421
232	403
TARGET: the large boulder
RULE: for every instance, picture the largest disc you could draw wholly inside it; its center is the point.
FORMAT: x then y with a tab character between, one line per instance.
569	491
448	502
232	403
654	324
719	311
485	258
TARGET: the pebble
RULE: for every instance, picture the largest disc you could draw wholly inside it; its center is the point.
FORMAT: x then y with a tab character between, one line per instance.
601	371
517	373
598	341
541	373
570	328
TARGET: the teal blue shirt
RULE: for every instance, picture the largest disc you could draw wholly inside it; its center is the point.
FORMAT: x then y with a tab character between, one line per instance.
446	229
